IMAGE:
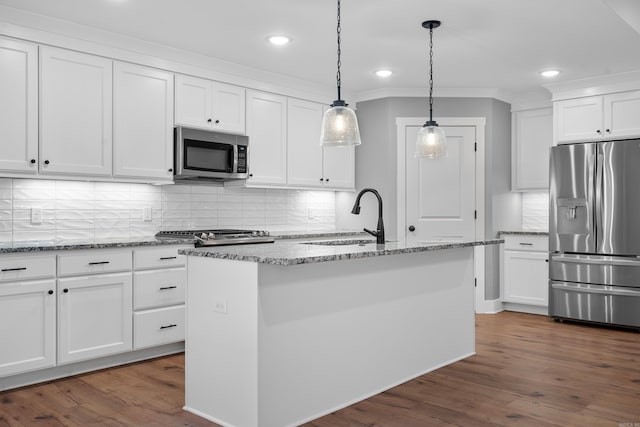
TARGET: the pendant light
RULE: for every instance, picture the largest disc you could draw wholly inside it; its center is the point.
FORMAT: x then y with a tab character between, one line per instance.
432	142
339	123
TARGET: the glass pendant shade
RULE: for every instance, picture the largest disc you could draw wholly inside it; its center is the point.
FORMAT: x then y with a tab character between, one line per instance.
431	142
339	127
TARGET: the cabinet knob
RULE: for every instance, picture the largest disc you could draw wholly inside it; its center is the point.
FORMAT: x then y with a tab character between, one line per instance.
209	120
321	179
33	161
170	169
327	180
250	175
598	131
607	130
46	162
546	260
412	228
217	122
50	292
65	290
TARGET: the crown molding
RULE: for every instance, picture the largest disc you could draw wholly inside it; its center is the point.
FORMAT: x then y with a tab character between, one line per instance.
496	93
610	83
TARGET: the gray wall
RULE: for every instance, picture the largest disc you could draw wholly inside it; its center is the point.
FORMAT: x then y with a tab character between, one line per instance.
376	167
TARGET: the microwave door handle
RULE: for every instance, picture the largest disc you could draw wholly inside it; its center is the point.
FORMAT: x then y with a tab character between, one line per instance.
235	159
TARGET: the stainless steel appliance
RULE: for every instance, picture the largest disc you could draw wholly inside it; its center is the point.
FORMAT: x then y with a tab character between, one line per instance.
214	156
218	237
594	232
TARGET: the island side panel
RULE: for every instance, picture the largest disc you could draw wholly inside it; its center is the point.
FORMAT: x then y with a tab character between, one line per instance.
333	333
221	348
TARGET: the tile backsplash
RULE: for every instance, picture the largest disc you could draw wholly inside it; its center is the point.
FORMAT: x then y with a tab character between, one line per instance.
535	211
46	210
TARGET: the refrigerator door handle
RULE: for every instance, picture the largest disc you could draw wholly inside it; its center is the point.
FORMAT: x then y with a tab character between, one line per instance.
591	290
599	195
602	260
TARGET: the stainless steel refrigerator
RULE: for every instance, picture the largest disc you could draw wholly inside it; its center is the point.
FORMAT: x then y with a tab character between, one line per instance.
594	232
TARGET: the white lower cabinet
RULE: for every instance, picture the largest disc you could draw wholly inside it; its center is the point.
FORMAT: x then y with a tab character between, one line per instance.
27	313
94	316
159	283
525	273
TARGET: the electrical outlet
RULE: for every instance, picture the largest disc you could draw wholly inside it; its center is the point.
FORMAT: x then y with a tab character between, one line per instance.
36	215
310	213
146	213
220	305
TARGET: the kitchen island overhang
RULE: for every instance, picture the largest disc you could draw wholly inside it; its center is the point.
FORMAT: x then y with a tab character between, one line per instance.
284	338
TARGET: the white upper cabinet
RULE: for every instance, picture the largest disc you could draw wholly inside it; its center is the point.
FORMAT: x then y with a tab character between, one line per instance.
267	131
532	136
304	152
75	113
338	166
596	118
206	104
622	114
308	163
18	106
142	122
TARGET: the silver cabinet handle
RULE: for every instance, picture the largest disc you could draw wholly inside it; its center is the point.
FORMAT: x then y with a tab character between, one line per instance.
99	262
164	288
525	244
167	257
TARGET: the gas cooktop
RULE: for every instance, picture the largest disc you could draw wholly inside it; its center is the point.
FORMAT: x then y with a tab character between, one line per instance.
218	237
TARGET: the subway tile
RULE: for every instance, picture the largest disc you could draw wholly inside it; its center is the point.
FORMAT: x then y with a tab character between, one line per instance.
75	204
111	214
72	224
6	183
6	204
33	194
112	187
112	223
203	223
86	215
45	236
113	204
175	223
6	237
6	226
79	235
6	215
111	234
112	196
41	184
27	226
6	193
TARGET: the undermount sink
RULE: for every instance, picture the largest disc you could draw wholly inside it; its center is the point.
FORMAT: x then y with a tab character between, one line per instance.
343	242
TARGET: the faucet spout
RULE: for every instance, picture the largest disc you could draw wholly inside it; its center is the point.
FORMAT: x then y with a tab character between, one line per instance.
379	233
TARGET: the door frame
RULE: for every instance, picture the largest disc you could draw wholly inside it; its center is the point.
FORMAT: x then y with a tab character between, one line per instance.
481	305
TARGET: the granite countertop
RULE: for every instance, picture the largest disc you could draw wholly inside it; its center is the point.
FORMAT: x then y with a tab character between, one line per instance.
525	232
284	252
58	245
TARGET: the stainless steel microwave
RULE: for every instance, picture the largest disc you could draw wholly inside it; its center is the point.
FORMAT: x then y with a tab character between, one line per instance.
205	155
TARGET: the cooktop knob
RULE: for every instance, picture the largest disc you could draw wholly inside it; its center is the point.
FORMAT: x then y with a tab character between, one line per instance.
212	236
254	233
203	236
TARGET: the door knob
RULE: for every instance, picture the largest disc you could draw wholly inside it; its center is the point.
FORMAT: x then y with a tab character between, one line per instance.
412	228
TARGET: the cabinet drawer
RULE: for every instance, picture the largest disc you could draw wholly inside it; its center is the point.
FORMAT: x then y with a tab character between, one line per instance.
158	326
157	288
27	267
94	262
165	256
526	243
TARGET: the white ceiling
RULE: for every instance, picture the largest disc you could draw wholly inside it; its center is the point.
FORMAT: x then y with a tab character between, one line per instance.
497	44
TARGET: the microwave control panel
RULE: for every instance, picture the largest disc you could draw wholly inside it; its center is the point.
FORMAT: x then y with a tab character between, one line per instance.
242	159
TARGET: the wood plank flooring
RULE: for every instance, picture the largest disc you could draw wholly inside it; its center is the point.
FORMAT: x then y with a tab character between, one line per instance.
528	371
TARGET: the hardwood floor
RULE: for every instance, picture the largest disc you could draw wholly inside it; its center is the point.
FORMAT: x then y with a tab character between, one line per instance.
528	371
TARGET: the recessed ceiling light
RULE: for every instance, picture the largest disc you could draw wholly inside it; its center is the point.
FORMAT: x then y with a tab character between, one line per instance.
384	73
279	40
549	73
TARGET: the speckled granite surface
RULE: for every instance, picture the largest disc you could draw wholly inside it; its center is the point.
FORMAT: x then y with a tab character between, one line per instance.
58	245
71	245
294	253
525	232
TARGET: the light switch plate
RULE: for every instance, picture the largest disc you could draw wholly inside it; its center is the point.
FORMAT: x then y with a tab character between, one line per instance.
146	213
36	215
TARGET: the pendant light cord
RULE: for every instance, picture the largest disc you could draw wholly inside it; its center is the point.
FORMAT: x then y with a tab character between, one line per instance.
431	73
338	29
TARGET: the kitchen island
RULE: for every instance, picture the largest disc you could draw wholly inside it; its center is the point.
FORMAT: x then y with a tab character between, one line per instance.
283	333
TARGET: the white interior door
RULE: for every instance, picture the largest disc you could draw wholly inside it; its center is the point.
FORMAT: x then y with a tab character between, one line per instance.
440	193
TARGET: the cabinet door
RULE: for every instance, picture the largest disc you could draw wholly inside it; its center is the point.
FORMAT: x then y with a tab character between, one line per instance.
579	119
267	131
622	114
526	277
27	326
532	136
229	107
75	113
339	167
18	106
94	316
193	102
142	122
304	152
